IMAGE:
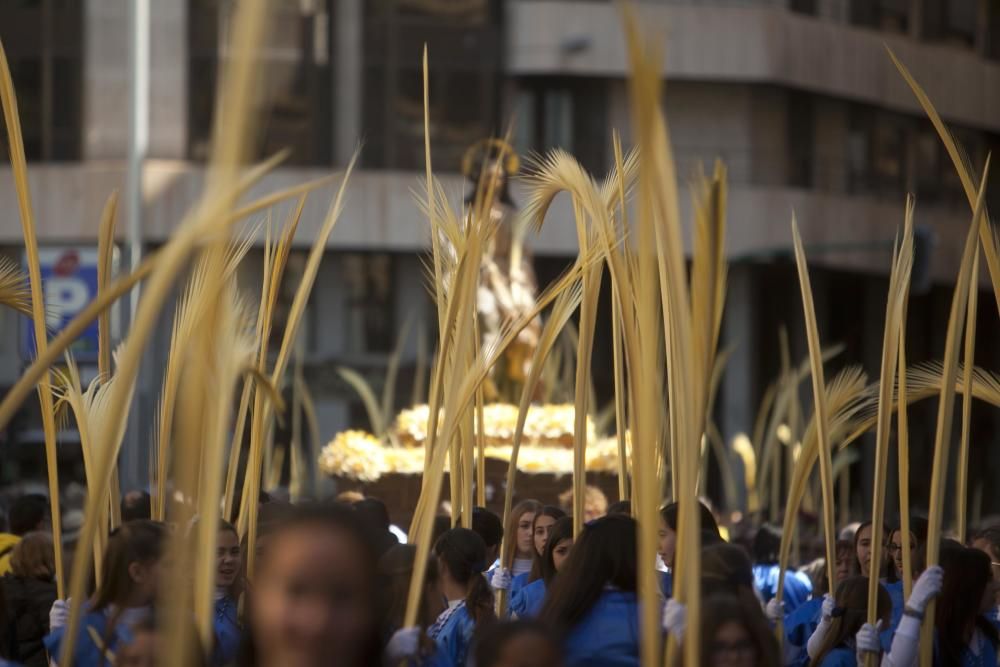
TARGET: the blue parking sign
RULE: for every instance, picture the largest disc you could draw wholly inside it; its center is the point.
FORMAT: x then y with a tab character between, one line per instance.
69	280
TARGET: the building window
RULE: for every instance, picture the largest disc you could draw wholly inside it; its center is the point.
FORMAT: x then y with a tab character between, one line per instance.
43	40
564	112
950	21
297	95
888	15
801	138
368	278
464	43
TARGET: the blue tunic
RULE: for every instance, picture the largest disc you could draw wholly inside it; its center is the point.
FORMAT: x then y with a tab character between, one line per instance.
87	653
895	591
452	635
842	656
608	636
797	585
799	627
517	583
667	584
527	603
226	628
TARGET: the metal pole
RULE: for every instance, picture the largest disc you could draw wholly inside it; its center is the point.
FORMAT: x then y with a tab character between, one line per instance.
138	143
138	135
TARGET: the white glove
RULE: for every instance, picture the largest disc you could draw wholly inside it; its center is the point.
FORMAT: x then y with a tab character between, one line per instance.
774	610
828	606
675	619
816	640
58	614
867	641
502	579
405	643
926	588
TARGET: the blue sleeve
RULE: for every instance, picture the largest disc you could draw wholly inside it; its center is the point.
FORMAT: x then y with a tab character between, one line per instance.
667	584
528	601
86	653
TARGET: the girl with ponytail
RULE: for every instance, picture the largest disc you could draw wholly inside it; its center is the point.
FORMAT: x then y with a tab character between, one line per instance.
130	575
461	561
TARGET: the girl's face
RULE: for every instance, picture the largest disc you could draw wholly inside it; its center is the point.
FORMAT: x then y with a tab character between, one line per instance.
312	592
228	559
668	543
732	647
146	577
560	553
525	540
843	567
543	524
864	549
896	551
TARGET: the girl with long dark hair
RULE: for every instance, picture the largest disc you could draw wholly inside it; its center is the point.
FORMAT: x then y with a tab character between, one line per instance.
592	604
130	577
396	572
964	636
667	537
461	561
527	602
837	648
800	624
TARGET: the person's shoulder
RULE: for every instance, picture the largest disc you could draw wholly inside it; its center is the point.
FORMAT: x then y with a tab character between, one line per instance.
841	656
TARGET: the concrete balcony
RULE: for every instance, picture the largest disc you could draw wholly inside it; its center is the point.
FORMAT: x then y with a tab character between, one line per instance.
754	44
381	214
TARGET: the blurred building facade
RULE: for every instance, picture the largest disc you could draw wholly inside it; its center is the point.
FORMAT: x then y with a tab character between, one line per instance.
797	97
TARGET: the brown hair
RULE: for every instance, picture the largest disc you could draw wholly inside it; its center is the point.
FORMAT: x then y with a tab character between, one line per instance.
851	613
718	610
510	530
33	557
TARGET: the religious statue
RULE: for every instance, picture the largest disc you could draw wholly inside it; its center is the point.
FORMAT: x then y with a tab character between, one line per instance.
507	286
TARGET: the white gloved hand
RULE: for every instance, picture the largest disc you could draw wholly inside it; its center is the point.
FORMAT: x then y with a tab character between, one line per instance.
867	641
828	606
774	610
58	614
502	579
926	588
675	619
405	643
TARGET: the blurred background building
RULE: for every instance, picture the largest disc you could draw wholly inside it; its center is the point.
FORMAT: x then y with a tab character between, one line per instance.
797	97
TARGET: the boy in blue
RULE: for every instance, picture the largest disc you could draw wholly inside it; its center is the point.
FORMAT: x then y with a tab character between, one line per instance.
766	547
461	560
129	578
592	604
229	572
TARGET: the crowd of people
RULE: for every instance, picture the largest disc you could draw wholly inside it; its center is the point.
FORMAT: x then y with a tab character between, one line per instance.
331	583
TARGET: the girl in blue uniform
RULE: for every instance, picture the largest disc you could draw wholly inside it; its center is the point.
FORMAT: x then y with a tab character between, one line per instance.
668	540
964	635
735	634
988	541
520	528
800	624
540	527
592	604
313	599
849	614
461	561
130	574
228	586
527	602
